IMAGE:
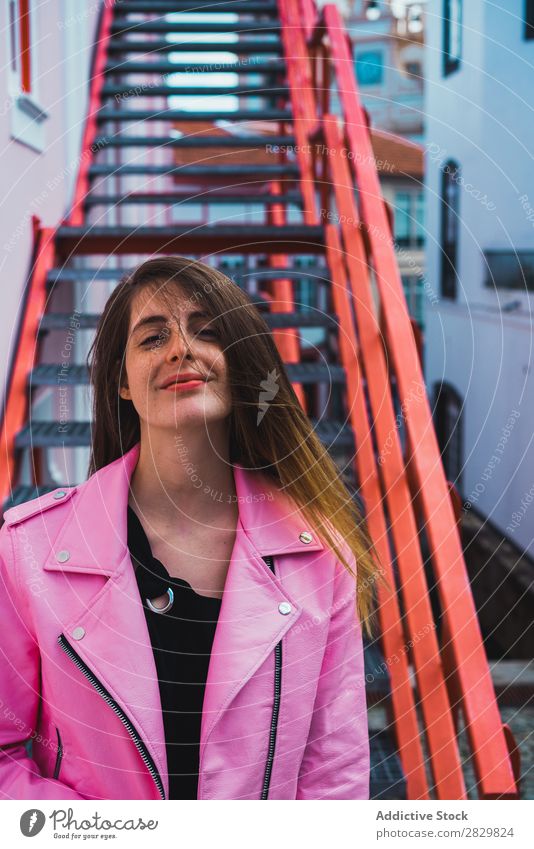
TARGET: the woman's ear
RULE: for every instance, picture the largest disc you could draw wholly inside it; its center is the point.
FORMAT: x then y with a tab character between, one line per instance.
124	392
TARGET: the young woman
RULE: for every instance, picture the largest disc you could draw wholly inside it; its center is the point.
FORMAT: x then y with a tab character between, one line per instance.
187	622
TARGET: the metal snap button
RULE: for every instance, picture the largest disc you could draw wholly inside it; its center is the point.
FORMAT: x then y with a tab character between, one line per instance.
306	537
285	607
60	493
62	556
78	633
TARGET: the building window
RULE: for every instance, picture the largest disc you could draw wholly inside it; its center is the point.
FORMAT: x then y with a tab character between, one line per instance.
409	224
452	35
450	203
448	420
20	44
414	69
413	286
529	18
27	117
370	67
510	270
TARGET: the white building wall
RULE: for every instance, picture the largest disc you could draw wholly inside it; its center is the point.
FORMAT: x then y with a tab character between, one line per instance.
32	181
482	116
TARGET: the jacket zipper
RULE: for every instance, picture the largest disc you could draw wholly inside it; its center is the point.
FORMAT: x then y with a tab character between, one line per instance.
276	707
101	690
59	754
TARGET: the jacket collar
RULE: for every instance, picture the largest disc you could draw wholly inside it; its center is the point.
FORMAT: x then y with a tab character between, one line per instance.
116	644
94	535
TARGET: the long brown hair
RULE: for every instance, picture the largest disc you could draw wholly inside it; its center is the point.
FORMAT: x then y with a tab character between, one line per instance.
283	446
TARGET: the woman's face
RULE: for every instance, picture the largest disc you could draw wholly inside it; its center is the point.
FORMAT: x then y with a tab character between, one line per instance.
168	338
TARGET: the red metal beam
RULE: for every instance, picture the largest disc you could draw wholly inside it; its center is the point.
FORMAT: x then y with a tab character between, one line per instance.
302	100
407	730
201	240
16	401
484	726
419	625
91	130
287	340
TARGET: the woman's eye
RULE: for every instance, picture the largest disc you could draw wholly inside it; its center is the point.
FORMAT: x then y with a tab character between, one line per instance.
207	330
151	339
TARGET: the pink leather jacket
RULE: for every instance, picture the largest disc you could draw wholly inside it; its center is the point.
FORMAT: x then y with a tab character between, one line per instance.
284	713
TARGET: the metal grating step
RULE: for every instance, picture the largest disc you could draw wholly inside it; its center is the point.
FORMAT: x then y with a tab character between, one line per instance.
185	239
258	89
54	434
75	274
125	26
241	277
333	435
275	320
275	66
25	492
206	197
196	140
62	321
387	780
241	47
378	686
52	374
222	172
190	117
130	7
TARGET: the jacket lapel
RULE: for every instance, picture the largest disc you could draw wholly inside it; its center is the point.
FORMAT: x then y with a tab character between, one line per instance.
116	645
250	623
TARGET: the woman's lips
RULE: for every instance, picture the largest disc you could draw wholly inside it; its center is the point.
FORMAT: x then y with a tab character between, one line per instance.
183	385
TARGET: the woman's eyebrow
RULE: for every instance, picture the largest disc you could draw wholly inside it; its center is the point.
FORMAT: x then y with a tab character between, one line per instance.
149	319
162	319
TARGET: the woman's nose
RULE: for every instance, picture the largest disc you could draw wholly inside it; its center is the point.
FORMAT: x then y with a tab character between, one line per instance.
179	346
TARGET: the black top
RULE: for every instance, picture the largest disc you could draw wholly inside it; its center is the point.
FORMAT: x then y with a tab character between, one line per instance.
181	641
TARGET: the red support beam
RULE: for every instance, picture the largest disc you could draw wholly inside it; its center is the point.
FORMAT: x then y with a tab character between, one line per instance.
419	625
286	340
16	401
484	726
91	130
406	726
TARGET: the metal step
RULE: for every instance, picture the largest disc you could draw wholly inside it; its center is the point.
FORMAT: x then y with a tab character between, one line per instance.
190	117
241	276
62	321
26	492
73	275
275	320
241	47
269	172
78	434
187	238
378	684
387	780
53	434
242	90
123	25
336	436
196	140
52	374
272	67
130	7
318	274
207	197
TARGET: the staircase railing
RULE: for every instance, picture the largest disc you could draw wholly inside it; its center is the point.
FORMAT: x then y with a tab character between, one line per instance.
456	669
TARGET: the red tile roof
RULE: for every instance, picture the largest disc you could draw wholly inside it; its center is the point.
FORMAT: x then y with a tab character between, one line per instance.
395	156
